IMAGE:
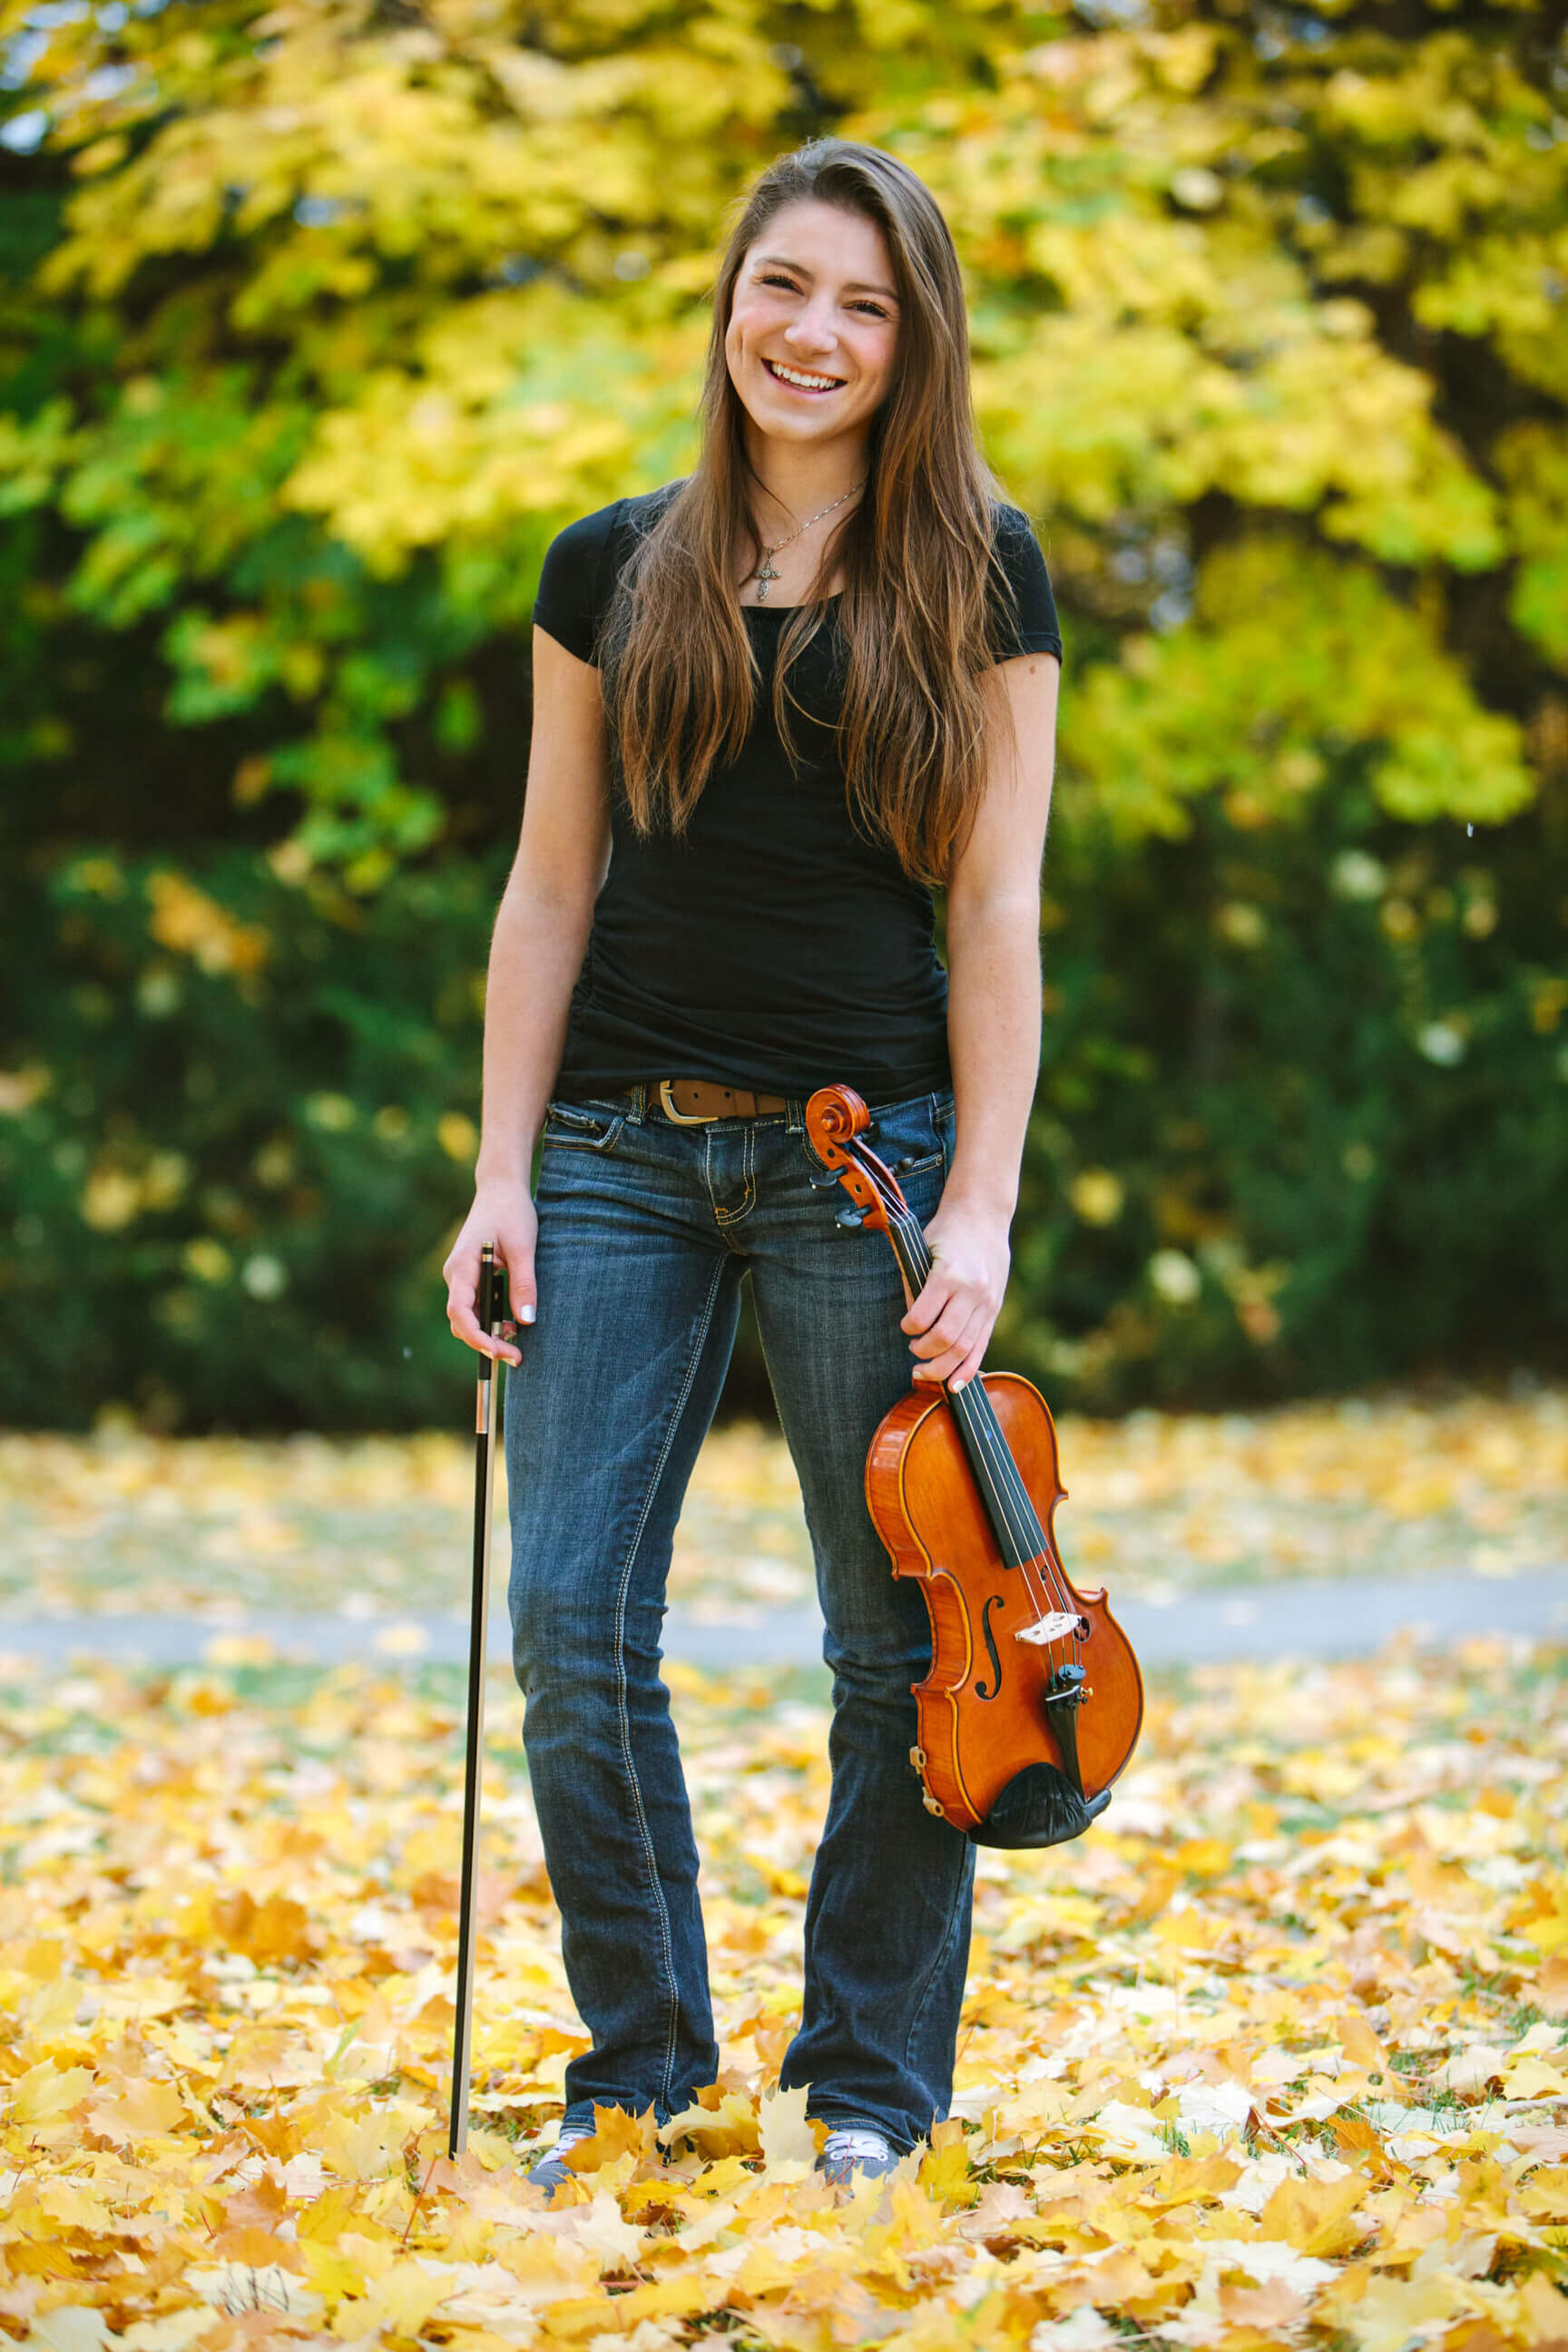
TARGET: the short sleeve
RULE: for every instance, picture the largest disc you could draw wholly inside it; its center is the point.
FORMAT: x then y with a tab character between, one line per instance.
1023	609
577	584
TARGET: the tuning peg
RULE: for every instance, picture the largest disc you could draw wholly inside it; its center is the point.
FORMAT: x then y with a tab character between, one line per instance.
823	1178
850	1218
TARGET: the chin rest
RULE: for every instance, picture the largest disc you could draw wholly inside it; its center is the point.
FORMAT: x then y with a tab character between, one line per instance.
1040	1807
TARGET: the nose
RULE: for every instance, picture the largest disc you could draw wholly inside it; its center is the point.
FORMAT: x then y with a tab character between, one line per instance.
814	330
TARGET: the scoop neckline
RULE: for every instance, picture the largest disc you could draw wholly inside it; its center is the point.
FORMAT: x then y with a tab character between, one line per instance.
837	592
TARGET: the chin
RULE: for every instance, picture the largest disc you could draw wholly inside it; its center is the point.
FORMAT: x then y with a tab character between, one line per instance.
799	428
788	422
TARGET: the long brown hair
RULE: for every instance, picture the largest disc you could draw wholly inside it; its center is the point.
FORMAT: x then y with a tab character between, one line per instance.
680	675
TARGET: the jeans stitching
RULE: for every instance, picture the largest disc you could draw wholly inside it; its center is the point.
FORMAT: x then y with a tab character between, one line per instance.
726	1217
562	1133
704	1323
567	1142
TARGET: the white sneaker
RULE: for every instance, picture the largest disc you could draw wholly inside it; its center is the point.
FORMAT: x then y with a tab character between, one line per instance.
549	2171
852	2150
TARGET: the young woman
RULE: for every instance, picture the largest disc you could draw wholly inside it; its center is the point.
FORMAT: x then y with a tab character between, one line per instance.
775	703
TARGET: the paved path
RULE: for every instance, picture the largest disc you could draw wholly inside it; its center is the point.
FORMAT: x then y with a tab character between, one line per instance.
1308	1620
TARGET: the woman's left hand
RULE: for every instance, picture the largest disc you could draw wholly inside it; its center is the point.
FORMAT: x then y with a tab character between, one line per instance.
952	1320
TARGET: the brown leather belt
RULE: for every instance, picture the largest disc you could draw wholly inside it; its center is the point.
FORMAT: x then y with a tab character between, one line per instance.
692	1102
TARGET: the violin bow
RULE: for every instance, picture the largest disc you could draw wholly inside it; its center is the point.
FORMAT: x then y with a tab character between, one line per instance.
490	1311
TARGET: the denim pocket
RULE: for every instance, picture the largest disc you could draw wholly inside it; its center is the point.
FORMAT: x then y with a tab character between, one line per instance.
913	1137
583	1127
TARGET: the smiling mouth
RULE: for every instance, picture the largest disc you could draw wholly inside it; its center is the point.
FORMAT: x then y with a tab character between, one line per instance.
800	378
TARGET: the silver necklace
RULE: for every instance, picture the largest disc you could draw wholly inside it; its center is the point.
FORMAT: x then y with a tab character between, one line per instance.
765	574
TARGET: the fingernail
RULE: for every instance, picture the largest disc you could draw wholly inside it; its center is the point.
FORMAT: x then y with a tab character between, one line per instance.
525	1314
953	1386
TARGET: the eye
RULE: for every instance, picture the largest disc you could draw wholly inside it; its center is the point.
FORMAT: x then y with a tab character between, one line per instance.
776	278
871	310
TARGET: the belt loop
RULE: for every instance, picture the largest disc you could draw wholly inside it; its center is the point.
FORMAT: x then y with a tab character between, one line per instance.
794	1114
640	1102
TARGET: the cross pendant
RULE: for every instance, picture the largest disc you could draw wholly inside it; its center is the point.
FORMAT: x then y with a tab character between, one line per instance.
764	575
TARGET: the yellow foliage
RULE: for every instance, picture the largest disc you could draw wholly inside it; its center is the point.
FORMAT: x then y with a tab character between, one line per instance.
399	2302
727	2128
945	2173
45	2093
200	2100
1180	715
1314	2216
457	1136
185	919
20	1089
439	284
615	2133
1175	1502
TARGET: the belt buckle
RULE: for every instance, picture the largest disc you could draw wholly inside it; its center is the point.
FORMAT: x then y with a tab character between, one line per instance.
681	1117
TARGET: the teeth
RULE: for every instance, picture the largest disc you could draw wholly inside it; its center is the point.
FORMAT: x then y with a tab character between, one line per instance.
807	383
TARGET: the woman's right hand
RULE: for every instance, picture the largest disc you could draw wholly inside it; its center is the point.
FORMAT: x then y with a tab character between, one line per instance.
503	1213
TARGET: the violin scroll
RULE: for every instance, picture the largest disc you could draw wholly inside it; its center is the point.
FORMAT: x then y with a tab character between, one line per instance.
835	1116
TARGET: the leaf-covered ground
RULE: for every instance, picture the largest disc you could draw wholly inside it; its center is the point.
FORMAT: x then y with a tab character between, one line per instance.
1278	2052
1159	1504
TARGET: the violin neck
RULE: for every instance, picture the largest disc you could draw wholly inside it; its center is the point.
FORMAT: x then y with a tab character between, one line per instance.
1013	1520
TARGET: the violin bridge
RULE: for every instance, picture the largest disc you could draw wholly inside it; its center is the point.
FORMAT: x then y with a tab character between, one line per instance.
1061	1625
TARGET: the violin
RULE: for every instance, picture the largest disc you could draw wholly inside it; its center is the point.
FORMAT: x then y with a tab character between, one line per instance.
1034	1701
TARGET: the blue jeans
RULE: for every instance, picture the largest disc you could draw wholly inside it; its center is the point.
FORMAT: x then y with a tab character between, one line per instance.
644	1231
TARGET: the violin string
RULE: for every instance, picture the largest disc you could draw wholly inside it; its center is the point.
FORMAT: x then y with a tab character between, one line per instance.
983	1416
980	1416
1016	1520
1022	1520
1017	1513
976	1412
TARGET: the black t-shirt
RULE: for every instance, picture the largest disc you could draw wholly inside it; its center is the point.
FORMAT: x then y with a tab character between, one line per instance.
773	945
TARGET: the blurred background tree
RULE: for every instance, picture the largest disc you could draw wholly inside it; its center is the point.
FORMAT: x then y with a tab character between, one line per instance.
318	320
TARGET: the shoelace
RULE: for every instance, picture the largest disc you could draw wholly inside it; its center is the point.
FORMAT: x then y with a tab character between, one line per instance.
851	2147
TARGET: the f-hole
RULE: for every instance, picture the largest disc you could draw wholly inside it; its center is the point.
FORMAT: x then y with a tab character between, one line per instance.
996	1601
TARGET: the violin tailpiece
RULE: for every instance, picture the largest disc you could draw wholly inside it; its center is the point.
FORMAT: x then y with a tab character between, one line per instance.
1062	1702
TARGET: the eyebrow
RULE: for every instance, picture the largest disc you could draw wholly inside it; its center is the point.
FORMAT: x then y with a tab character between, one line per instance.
783	261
